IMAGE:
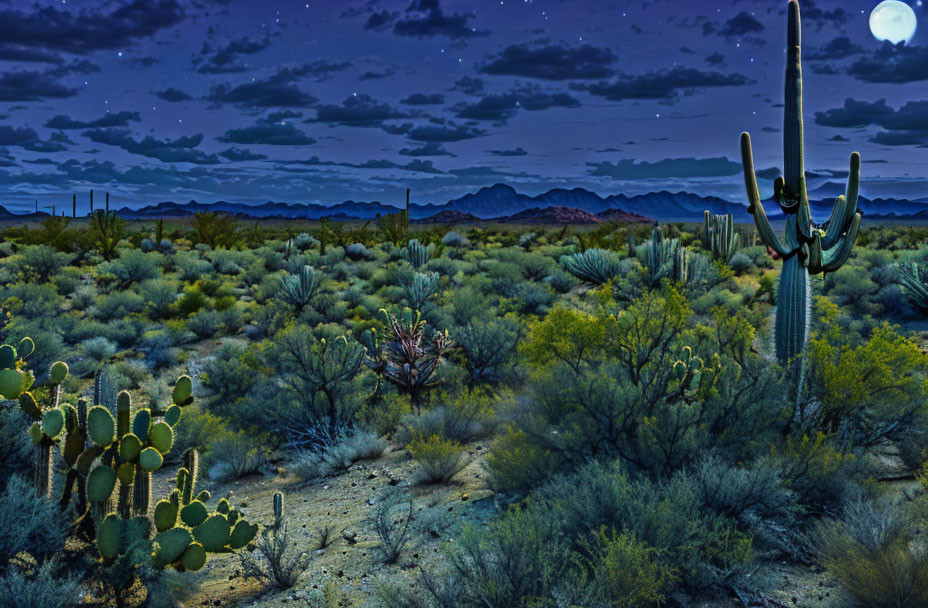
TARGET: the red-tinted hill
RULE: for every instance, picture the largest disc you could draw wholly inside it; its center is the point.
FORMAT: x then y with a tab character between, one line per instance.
550	215
617	215
448	216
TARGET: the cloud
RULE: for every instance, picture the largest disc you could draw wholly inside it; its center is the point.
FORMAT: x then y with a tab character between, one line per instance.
666	84
385	73
907	126
180	150
10	52
514	152
715	58
277	90
551	62
32	86
380	20
469	85
28	139
628	169
240	154
357	111
502	107
741	24
426	19
423	99
837	48
418	166
171	94
270	134
226	59
428	149
810	12
896	64
442	131
114	119
86	31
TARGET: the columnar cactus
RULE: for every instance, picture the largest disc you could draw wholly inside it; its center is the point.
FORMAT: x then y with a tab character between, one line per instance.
808	248
719	236
596	266
298	290
418	254
666	258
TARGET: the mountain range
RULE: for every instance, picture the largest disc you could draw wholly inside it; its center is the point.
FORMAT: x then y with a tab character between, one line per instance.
502	202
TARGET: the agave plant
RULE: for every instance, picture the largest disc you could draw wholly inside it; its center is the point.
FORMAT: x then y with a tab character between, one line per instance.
909	275
405	358
596	266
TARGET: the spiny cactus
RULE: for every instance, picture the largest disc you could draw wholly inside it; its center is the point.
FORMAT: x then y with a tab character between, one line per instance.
402	358
49	419
418	254
909	275
808	248
666	258
110	460
420	287
596	266
298	290
719	236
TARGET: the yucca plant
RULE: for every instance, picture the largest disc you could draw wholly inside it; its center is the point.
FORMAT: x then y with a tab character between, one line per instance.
719	236
106	230
299	289
418	254
420	287
405	359
666	258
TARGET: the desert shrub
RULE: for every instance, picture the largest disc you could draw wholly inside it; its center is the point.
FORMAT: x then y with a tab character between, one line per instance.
40	262
393	521
159	295
229	375
438	460
48	586
117	305
741	263
488	345
234	454
462	419
867	391
277	559
133	266
870	553
16	450
205	324
195	429
29	523
320	384
348	449
627	572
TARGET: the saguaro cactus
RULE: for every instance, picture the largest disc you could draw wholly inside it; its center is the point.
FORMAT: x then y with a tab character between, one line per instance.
808	248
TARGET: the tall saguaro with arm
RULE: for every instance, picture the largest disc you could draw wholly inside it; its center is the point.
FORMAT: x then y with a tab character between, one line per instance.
807	248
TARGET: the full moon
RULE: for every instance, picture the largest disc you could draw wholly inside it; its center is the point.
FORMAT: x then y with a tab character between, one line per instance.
894	21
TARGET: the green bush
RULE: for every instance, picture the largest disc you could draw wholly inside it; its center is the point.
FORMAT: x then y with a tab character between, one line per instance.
438	460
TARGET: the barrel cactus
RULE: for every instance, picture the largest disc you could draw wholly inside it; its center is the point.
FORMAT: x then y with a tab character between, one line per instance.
807	248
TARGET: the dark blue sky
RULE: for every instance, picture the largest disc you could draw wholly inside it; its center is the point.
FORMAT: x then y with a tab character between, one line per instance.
326	101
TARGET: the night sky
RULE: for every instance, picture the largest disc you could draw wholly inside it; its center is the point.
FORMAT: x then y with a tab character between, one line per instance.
326	101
